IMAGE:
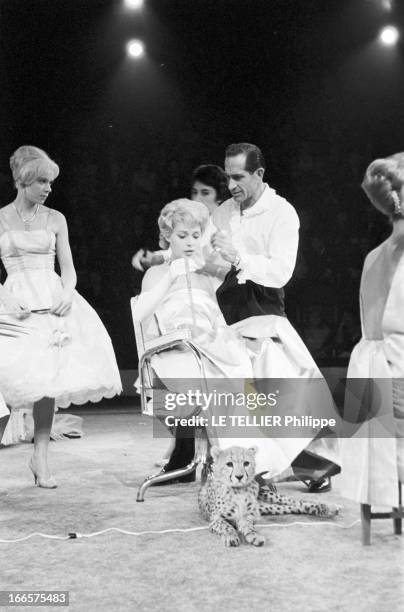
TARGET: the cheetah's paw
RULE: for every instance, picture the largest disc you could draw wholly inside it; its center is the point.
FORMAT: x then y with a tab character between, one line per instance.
256	539
231	539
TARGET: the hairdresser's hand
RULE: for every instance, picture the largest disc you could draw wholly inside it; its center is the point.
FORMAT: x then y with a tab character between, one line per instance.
15	306
142	260
222	243
179	267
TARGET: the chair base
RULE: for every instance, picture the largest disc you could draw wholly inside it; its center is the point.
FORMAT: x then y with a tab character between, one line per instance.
201	457
162	477
397	514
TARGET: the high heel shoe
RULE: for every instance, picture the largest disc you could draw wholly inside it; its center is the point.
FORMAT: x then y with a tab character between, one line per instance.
323	485
48	483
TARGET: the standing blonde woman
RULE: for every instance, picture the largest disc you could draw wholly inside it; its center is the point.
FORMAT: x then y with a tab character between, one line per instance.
373	460
54	349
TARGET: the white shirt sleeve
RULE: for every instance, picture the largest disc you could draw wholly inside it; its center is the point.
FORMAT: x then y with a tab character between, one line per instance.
274	267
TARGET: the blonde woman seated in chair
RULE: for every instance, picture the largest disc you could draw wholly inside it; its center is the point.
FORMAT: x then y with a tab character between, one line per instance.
373	460
182	297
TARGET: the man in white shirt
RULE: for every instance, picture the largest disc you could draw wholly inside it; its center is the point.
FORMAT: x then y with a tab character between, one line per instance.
258	235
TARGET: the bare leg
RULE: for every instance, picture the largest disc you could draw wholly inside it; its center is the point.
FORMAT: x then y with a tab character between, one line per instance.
365	522
3	425
43	417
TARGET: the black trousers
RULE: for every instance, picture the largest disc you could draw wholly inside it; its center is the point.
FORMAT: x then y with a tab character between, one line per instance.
184	449
308	466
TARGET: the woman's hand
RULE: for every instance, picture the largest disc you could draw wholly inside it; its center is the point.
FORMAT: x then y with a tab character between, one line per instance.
15	306
179	267
62	302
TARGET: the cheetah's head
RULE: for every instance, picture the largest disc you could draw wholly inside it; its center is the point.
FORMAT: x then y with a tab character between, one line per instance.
234	466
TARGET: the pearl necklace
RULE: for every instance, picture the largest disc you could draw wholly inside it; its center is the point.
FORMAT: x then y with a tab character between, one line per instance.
26	221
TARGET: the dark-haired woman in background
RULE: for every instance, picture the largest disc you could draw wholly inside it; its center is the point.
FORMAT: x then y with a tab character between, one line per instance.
373	460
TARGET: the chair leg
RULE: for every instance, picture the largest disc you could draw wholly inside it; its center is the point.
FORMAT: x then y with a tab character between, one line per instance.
397	526
201	456
156	478
365	522
398	521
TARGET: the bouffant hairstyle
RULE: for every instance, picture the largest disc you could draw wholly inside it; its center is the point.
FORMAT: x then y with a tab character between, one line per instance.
27	163
382	184
254	156
212	176
181	211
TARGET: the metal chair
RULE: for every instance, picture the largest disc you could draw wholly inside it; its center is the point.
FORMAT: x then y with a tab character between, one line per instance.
397	514
150	341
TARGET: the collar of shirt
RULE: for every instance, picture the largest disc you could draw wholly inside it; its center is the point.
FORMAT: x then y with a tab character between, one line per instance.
262	204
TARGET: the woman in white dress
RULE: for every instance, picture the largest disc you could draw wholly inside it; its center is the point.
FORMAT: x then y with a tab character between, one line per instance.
209	186
54	349
373	459
166	294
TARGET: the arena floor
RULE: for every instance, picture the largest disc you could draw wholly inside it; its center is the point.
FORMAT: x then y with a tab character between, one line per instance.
310	567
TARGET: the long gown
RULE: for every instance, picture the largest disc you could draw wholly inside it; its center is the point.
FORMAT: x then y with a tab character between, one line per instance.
70	358
227	357
373	459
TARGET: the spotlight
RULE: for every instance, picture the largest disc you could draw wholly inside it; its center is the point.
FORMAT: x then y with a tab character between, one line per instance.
389	36
387	5
133	4
135	48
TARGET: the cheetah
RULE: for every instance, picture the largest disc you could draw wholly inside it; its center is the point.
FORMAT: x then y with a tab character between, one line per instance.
232	500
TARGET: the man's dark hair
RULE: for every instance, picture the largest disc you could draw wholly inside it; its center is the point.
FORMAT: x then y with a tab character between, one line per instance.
212	176
254	156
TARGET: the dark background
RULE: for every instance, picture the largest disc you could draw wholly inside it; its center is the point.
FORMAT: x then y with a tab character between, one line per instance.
306	80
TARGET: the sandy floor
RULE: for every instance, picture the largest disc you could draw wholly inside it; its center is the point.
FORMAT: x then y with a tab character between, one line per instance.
311	567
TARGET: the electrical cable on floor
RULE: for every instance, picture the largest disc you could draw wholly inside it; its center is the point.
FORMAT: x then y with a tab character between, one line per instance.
76	535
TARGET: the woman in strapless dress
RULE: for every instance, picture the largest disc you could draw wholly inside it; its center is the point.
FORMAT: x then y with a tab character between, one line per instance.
54	349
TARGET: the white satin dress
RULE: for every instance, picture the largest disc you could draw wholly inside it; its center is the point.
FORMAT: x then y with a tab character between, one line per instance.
70	358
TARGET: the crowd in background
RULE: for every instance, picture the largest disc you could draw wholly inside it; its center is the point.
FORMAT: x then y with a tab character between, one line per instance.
112	202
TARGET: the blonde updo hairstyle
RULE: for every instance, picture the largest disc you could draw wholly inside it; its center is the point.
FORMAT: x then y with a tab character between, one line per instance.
382	184
27	163
181	211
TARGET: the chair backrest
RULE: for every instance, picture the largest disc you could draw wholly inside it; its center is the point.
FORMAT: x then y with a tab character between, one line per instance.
150	340
145	330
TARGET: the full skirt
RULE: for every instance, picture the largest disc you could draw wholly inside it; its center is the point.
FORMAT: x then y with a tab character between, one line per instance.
70	359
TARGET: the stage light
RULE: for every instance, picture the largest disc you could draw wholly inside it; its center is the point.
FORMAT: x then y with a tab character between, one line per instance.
387	5
135	48
389	36
133	4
